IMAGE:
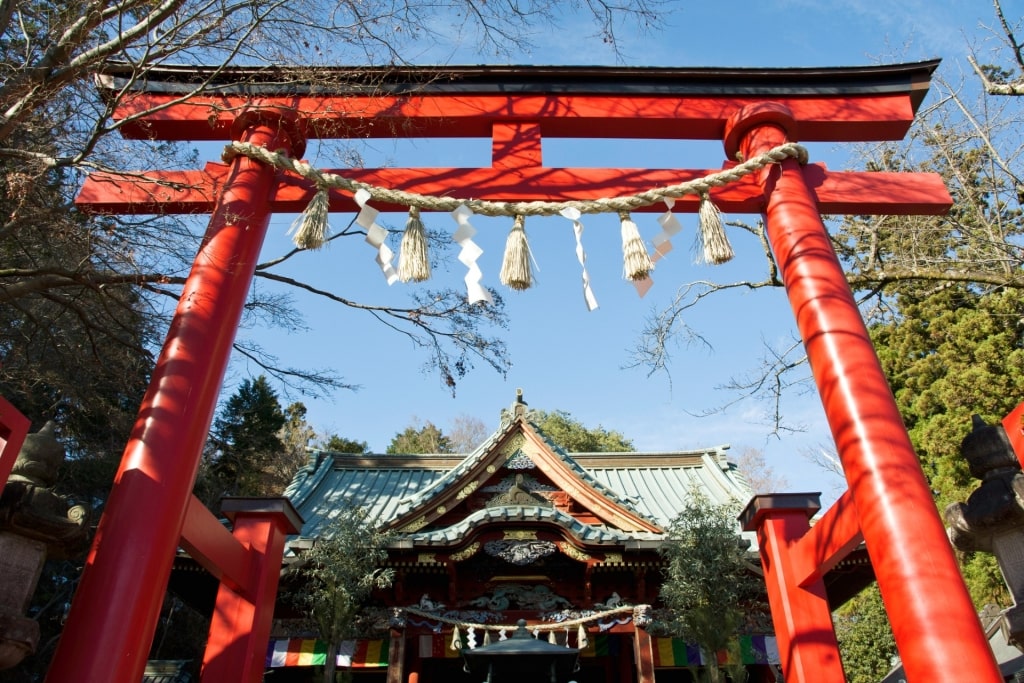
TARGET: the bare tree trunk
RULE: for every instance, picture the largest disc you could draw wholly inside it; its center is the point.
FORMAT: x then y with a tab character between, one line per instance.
714	675
331	665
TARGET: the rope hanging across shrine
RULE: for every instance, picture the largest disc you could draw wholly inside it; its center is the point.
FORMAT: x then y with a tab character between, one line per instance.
537	629
310	229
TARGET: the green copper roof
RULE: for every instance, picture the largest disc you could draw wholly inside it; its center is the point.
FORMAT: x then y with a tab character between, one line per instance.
650	486
656	485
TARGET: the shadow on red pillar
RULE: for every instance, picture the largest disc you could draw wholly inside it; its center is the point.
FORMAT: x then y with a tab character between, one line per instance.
240	627
938	639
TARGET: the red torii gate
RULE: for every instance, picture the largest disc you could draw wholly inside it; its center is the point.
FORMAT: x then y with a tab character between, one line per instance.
888	505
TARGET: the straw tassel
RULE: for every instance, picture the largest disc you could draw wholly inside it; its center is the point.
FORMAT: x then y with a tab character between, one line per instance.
515	267
413	257
487	637
714	242
552	638
456	639
636	262
310	229
581	638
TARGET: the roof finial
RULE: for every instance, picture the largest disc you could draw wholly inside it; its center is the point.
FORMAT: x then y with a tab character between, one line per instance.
519	407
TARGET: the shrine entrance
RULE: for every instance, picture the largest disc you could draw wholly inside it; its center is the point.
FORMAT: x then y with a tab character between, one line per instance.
758	114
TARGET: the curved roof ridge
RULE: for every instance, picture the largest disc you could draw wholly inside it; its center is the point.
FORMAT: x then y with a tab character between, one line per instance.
520	513
586	476
725	472
309	476
719	450
454	473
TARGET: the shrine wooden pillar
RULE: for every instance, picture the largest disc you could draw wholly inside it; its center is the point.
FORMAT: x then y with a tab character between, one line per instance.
936	627
115	610
643	653
396	656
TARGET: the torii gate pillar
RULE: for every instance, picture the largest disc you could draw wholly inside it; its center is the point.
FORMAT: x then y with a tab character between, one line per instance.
134	547
921	586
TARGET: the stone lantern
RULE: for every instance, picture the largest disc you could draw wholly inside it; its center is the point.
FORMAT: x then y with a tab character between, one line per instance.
35	524
521	658
992	519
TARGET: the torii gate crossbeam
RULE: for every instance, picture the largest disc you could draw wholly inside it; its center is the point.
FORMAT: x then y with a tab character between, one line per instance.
888	504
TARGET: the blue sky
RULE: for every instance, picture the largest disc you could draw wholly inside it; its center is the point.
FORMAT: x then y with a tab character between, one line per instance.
565	357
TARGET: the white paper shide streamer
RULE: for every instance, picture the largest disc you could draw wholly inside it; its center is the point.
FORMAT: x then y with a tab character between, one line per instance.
376	236
468	254
670	227
573	214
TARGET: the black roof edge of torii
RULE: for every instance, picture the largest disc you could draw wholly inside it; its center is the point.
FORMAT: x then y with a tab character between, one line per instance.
910	78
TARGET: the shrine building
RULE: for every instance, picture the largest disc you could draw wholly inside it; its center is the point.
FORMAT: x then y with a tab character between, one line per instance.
517	529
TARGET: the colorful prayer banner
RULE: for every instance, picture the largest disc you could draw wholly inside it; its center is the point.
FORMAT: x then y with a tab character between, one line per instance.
296	652
436	646
363	654
354	654
601	645
676	652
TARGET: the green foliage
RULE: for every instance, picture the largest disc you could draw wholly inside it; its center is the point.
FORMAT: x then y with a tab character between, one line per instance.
245	444
951	354
296	434
338	575
340	444
708	584
425	439
865	638
573	437
558	425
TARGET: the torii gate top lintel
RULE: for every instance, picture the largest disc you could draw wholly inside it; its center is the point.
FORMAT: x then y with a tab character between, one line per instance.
830	104
517	107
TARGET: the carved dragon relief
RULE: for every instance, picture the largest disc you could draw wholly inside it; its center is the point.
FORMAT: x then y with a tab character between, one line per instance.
520	553
521	596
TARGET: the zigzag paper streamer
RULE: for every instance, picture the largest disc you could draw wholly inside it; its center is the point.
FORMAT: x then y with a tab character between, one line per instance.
670	227
375	235
577	228
468	255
